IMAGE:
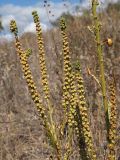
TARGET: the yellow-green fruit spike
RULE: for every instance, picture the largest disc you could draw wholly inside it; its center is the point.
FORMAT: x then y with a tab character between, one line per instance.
62	24
83	113
44	79
42	58
77	117
27	74
29	79
113	122
66	68
68	99
28	52
36	97
69	92
13	27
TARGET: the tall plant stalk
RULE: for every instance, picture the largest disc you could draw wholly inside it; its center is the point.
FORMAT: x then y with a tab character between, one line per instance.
68	101
84	117
97	27
23	55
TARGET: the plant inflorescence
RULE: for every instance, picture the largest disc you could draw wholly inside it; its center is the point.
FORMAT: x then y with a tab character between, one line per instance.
74	102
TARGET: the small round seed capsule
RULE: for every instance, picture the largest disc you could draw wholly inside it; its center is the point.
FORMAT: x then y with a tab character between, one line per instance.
109	42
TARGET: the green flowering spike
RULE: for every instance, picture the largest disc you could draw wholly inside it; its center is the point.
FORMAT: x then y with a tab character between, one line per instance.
66	71
28	52
82	108
69	92
35	95
29	79
13	27
34	13
42	58
45	84
35	16
69	96
62	24
113	122
76	66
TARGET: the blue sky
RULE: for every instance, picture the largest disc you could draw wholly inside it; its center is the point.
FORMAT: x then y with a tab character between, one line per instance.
21	10
31	2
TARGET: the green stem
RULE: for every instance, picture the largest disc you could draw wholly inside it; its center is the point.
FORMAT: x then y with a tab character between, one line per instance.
100	58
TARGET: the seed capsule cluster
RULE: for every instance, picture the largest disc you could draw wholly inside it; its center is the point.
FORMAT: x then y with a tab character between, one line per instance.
78	118
27	73
13	27
41	56
73	101
49	126
43	70
84	115
113	123
69	101
62	24
67	72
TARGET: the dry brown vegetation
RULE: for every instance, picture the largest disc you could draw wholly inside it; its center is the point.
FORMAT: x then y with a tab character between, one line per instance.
21	133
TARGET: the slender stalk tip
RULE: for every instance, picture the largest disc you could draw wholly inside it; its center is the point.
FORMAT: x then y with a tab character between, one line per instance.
34	13
62	24
35	16
13	27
